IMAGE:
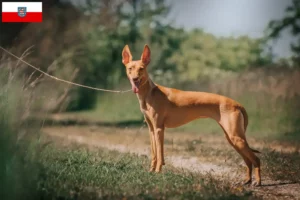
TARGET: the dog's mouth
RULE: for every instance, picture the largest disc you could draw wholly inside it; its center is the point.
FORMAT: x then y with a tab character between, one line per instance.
135	85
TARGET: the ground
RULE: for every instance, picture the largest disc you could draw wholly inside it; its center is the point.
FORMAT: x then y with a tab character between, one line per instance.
204	153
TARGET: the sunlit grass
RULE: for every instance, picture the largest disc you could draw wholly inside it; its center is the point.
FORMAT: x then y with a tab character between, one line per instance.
102	174
114	108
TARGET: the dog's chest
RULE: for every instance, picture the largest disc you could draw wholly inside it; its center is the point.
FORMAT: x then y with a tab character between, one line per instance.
147	109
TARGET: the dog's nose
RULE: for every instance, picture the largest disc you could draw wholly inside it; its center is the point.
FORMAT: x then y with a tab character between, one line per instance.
135	79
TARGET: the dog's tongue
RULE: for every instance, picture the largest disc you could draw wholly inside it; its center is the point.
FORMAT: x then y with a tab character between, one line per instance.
135	88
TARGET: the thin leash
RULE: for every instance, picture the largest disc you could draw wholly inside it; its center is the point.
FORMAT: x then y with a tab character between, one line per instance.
61	80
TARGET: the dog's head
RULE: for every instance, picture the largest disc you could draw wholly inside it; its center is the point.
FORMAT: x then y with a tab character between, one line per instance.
136	70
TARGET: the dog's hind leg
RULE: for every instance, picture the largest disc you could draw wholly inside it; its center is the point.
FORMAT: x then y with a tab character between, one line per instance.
246	160
243	148
233	126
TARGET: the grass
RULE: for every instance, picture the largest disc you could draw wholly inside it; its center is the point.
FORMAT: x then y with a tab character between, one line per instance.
100	174
281	166
276	165
18	167
114	108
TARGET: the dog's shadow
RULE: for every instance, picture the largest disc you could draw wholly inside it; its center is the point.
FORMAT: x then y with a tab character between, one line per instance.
279	184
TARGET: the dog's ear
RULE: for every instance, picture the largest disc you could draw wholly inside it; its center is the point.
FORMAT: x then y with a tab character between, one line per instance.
126	55
146	55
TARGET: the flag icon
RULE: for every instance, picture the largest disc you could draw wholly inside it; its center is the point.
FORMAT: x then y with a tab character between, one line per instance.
22	12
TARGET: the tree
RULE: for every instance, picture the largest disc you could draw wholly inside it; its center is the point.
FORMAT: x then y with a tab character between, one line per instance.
111	25
290	21
204	55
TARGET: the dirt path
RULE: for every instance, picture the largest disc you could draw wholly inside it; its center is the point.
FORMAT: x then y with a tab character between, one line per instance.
182	150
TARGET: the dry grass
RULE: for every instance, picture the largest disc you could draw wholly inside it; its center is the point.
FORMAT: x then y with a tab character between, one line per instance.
19	95
18	169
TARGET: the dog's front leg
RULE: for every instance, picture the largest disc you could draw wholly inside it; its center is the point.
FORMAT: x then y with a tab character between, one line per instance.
159	140
152	142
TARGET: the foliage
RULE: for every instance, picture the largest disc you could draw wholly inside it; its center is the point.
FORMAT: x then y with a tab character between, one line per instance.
202	54
89	38
129	22
179	55
290	22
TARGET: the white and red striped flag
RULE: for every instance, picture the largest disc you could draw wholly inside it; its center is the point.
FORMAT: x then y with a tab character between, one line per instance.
22	12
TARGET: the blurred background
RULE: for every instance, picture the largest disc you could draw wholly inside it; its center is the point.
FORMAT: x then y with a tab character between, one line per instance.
246	50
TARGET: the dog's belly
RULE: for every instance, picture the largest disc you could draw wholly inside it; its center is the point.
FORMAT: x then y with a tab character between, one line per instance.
173	123
180	117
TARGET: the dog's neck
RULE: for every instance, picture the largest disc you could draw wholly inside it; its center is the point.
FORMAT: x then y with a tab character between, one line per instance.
145	88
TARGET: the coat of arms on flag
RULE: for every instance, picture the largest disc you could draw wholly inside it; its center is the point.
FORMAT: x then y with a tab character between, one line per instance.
22	11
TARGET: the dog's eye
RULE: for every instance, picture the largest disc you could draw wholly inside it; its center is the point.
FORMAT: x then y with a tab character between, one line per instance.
129	68
141	69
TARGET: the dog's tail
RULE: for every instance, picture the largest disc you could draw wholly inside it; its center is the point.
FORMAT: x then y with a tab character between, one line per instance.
245	115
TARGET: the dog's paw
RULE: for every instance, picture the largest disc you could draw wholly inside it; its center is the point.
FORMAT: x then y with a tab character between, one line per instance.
247	182
151	169
256	184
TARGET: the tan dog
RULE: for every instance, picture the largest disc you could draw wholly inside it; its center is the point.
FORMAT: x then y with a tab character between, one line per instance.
169	108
